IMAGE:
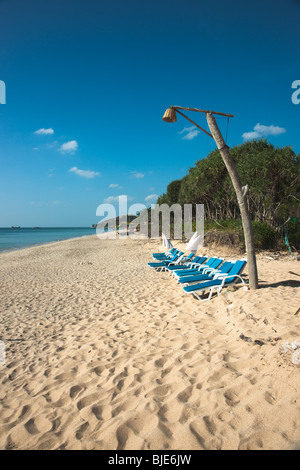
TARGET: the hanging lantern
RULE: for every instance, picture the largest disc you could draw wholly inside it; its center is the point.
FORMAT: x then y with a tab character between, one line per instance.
170	115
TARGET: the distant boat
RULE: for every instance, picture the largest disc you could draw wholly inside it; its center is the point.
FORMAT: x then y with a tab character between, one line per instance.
17	226
36	227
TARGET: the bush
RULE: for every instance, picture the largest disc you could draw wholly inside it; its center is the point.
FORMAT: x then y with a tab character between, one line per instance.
265	236
230	226
293	233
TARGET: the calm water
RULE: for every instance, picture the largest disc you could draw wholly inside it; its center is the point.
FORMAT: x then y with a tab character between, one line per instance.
12	239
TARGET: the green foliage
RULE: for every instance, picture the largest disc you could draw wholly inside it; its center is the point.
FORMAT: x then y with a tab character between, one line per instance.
265	236
272	175
233	226
172	194
293	233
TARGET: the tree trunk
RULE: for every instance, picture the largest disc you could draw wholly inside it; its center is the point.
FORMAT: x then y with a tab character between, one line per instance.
246	221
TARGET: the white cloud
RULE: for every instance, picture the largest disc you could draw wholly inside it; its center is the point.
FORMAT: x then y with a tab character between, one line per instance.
137	174
114	186
42	204
260	131
269	130
84	173
151	197
190	132
54	203
251	135
117	199
69	147
44	131
35	203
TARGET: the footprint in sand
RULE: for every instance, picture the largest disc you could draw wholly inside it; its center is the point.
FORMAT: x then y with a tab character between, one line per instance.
39	424
102	413
231	398
87	400
186	394
76	390
205	432
80	432
160	391
127	440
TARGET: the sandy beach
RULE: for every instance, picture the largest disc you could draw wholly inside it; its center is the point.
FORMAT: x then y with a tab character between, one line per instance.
104	353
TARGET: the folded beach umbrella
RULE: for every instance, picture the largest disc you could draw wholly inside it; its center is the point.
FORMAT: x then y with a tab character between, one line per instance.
166	242
164	239
194	243
193	237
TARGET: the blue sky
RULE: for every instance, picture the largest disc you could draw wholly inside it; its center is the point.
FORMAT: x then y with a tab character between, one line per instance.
94	79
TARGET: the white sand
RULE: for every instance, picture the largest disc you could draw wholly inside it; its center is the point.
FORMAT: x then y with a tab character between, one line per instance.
104	353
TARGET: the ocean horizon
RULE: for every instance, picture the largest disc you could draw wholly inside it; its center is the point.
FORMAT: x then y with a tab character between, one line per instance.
23	237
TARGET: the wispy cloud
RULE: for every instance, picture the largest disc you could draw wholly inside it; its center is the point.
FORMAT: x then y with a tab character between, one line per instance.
54	203
151	197
84	173
69	147
42	203
44	131
51	145
35	203
260	131
251	135
117	199
113	185
137	174
189	132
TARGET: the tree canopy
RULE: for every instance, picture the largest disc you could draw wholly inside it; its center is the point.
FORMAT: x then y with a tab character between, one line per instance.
271	173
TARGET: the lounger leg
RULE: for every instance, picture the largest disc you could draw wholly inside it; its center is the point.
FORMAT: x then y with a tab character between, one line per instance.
196	296
209	296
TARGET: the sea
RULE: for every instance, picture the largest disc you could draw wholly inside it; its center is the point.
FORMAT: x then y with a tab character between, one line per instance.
17	238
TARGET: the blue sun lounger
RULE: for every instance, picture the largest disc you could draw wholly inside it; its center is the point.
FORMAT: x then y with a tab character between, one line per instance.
176	263
197	260
161	264
187	258
165	255
219	283
199	268
210	274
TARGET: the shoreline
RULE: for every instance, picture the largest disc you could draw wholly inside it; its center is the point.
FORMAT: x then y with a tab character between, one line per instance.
36	245
104	353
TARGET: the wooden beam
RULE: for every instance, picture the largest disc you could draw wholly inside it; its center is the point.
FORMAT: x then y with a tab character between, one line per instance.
201	111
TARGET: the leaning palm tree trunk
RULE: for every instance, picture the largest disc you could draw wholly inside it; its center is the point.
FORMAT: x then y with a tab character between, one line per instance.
246	221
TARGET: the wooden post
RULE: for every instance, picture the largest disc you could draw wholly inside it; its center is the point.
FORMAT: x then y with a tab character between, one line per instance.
246	221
